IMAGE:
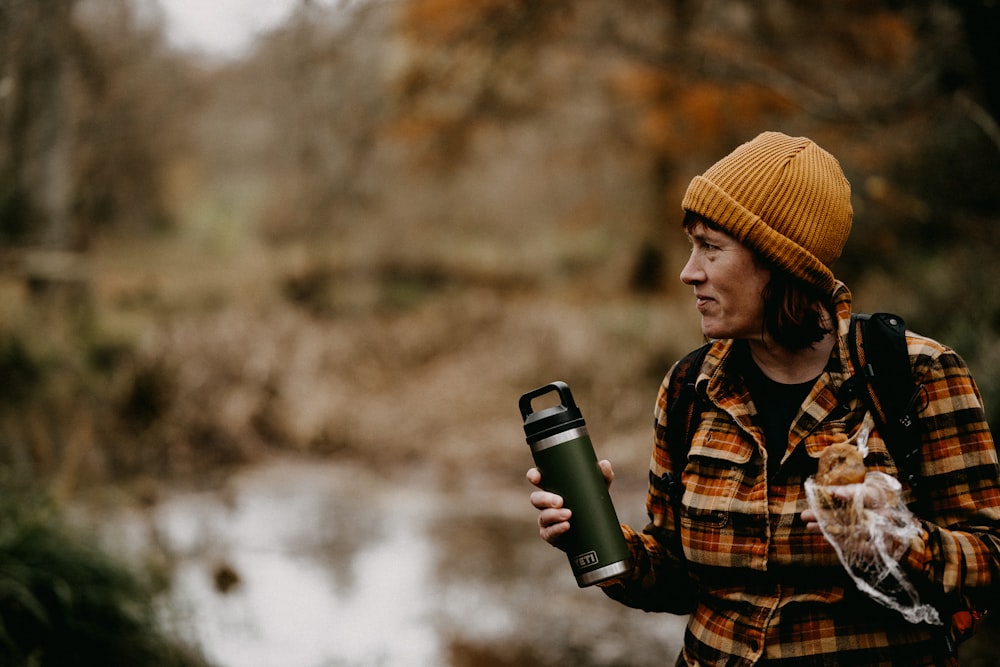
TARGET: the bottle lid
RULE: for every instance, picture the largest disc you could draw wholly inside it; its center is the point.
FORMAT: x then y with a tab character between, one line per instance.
556	419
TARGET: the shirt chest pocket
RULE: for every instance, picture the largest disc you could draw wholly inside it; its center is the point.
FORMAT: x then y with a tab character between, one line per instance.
715	471
718	479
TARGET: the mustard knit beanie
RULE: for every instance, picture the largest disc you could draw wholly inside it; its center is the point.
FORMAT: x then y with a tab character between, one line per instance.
783	197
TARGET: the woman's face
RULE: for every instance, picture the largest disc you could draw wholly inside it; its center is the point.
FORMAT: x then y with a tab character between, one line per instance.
728	283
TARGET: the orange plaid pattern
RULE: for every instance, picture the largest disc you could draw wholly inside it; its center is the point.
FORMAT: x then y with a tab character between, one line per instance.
761	589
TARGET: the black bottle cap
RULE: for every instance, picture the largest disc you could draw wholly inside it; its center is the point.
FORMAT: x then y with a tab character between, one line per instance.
556	419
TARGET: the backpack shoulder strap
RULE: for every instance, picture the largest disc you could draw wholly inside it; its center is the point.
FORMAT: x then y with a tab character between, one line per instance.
684	377
891	392
682	406
885	381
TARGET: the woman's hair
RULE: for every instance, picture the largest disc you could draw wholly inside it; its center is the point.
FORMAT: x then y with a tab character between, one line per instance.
797	314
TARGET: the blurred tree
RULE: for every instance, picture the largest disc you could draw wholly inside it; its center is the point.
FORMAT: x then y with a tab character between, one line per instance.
129	105
85	102
36	121
981	23
324	103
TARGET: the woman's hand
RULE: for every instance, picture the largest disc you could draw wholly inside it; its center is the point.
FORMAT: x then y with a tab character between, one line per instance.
811	521
873	498
553	518
867	521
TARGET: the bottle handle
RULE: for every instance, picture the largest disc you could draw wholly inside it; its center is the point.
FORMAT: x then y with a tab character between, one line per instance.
565	397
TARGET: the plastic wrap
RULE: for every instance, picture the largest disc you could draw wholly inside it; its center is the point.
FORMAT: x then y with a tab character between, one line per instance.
871	528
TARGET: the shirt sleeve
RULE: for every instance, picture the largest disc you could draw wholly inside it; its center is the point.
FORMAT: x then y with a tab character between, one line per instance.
659	579
958	498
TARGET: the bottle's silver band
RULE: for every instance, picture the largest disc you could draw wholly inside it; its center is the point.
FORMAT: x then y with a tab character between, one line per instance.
560	438
602	573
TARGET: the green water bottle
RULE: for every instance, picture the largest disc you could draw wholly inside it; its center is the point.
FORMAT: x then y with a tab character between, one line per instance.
562	451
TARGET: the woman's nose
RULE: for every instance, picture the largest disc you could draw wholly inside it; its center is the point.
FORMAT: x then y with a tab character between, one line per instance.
692	274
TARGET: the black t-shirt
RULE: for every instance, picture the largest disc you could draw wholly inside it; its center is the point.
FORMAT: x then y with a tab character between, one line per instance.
777	404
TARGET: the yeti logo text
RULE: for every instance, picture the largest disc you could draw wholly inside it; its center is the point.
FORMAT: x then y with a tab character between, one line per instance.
585	560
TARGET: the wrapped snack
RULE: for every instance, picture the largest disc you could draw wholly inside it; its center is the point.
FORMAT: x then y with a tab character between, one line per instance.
840	463
871	537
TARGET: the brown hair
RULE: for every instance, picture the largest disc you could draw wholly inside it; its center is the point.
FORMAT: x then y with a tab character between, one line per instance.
796	313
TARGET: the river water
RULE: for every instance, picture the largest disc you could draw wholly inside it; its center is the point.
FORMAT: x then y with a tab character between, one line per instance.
304	564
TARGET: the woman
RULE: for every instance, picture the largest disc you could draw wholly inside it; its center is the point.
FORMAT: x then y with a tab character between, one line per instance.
745	557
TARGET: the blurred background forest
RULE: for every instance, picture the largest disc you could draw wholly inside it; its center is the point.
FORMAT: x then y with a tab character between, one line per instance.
365	237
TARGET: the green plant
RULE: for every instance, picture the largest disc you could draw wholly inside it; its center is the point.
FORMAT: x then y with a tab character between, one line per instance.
65	602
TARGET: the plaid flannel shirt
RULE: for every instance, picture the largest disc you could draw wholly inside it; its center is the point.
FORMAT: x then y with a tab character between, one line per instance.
759	587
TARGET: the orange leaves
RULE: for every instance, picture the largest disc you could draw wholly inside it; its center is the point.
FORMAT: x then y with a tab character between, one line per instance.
706	110
891	39
449	20
678	114
639	83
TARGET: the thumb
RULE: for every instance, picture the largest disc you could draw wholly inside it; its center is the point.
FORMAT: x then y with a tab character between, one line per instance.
607	471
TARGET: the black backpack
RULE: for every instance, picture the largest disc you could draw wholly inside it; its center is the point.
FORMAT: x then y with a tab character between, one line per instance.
883	378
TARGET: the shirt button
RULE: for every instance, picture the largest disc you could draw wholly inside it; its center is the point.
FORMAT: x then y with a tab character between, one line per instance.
753	644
